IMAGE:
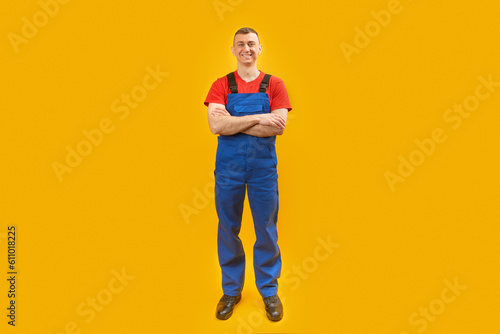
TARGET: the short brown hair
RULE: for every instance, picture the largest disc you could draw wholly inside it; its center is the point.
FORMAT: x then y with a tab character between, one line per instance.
246	30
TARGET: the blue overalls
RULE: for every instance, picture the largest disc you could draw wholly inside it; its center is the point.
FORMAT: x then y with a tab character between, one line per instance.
245	161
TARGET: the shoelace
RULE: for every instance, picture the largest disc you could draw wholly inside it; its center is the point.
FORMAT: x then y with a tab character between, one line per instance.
227	298
270	300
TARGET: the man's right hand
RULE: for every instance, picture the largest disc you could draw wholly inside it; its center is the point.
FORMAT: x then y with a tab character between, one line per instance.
272	120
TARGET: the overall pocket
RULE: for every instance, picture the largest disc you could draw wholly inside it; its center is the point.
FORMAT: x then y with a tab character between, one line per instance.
248	109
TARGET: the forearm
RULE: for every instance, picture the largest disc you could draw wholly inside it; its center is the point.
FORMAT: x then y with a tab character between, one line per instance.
230	125
259	130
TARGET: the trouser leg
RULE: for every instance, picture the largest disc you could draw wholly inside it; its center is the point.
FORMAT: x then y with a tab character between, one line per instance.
264	203
229	200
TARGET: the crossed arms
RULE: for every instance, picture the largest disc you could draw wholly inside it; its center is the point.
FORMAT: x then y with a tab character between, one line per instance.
259	125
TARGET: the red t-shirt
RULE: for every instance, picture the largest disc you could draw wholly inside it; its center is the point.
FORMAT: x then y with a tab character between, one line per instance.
278	96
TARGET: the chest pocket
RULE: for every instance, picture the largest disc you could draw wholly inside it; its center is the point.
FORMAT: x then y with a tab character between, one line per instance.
249	109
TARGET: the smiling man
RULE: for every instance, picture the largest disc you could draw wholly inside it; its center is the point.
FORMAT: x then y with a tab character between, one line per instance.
247	109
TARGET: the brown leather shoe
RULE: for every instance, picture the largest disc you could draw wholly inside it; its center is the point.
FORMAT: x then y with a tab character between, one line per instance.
274	308
226	305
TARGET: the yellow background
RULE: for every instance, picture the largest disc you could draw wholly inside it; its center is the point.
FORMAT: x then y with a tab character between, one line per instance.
122	206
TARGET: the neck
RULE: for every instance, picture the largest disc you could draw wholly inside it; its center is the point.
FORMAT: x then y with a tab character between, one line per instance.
248	73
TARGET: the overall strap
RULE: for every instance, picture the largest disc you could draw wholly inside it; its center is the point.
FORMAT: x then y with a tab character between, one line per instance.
234	87
232	83
264	83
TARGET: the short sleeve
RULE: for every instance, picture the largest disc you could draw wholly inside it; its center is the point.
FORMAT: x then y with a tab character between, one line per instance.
216	94
279	95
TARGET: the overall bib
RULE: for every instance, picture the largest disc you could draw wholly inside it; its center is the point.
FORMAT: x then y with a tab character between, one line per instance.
246	162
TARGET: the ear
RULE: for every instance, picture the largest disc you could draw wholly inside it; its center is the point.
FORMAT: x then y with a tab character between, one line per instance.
232	50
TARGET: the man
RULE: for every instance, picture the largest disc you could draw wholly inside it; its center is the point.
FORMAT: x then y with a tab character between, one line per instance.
247	109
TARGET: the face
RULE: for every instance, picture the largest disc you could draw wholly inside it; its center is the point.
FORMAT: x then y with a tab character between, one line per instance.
246	48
